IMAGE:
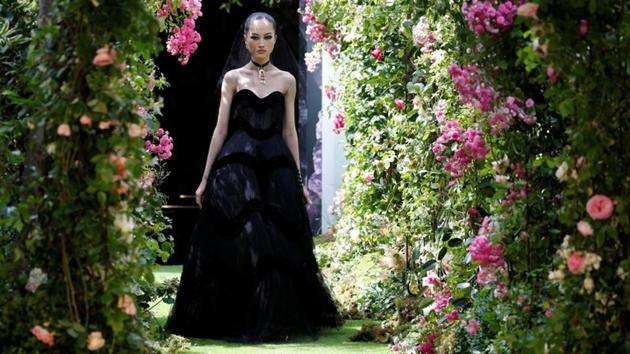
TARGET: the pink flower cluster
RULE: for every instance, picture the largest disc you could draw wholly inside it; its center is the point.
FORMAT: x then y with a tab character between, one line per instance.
512	108
426	347
482	16
331	93
438	291
316	30
490	258
484	252
339	122
474	91
183	40
164	146
471	87
440	111
422	36
472	326
469	146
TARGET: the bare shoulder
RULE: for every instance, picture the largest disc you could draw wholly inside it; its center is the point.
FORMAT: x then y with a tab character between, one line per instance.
231	76
288	80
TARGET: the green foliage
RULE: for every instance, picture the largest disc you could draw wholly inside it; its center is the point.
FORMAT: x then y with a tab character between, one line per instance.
416	216
81	222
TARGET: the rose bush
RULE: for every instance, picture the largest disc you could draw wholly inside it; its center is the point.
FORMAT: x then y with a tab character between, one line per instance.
501	180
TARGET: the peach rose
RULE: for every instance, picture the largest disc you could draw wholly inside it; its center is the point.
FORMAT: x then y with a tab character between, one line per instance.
64	129
43	335
126	304
103	57
134	130
95	341
104	124
584	228
528	9
85	120
600	207
576	263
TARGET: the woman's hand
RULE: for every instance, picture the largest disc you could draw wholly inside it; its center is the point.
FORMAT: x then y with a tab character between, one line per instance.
199	193
307	198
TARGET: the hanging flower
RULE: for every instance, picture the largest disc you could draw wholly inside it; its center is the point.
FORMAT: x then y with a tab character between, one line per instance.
400	104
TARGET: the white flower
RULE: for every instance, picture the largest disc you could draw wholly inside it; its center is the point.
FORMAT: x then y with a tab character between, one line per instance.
556	276
501	178
561	172
589	284
313	58
355	235
622	273
35	278
124	223
437	56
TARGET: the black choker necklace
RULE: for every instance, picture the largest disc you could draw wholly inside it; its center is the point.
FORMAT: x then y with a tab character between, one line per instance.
261	71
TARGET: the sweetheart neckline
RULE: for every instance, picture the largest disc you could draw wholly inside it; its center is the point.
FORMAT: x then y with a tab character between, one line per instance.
253	93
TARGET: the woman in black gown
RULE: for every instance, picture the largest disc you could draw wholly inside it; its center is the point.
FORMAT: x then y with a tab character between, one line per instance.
251	274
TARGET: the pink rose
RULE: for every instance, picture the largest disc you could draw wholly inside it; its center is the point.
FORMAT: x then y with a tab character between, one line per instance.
552	76
377	54
103	57
368	177
452	316
576	263
600	207
400	105
528	9
472	327
584	228
582	28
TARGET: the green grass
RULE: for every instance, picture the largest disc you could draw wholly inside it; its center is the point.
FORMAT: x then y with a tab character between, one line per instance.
331	340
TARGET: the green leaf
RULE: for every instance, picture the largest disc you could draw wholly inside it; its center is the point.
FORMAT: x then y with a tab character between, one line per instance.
442	253
455	242
428	265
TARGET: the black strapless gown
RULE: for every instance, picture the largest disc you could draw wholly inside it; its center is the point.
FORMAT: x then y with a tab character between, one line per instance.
250	274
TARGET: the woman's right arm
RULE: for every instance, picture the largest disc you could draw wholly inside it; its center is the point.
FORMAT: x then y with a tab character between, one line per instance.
228	86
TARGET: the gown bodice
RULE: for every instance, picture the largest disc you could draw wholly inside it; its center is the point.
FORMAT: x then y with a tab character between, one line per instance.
260	117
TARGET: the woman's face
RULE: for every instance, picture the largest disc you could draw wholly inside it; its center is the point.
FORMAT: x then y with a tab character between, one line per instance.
260	40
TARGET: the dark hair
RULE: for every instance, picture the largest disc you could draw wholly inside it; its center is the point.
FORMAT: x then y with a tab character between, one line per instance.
259	16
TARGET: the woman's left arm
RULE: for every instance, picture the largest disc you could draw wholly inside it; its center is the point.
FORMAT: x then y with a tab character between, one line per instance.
289	133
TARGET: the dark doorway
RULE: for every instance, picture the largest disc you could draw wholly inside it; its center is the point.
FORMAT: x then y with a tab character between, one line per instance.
191	104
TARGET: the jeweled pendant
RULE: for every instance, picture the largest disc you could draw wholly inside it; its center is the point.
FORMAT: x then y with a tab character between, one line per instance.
261	76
